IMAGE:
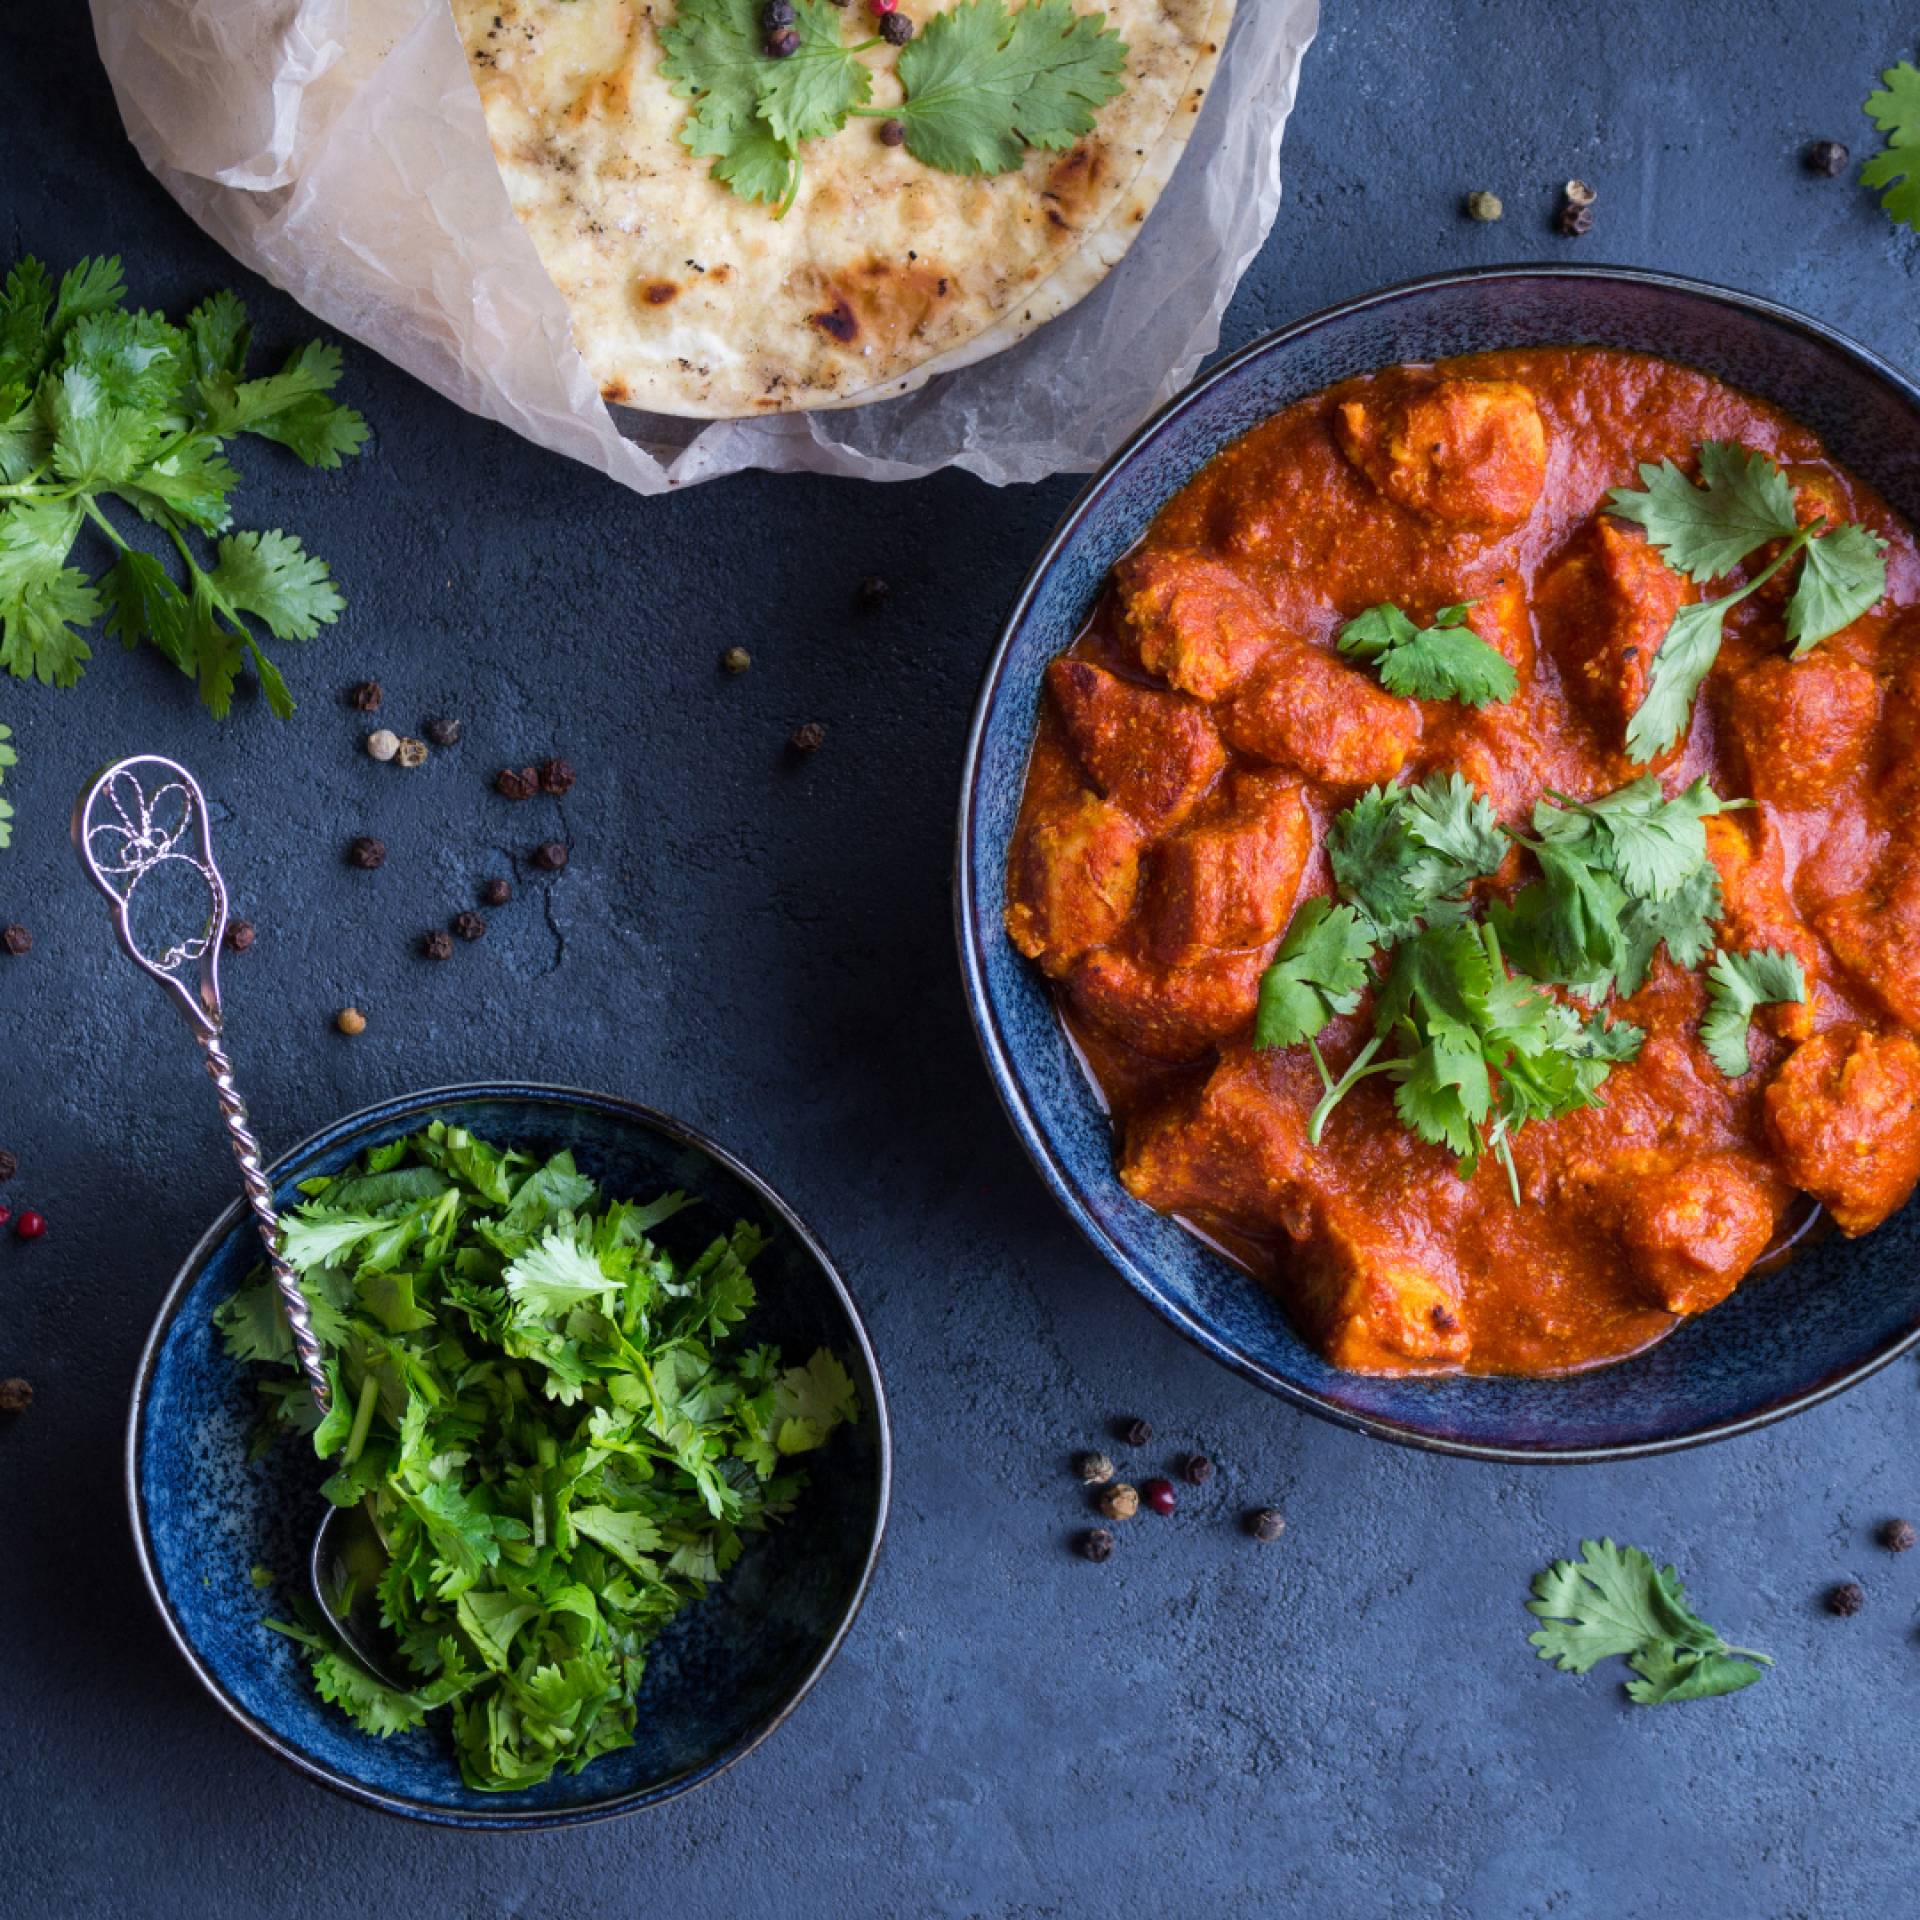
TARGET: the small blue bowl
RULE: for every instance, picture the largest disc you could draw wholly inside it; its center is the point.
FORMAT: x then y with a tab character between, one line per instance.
1840	1310
720	1679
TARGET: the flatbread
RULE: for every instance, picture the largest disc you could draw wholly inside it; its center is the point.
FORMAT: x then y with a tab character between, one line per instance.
687	299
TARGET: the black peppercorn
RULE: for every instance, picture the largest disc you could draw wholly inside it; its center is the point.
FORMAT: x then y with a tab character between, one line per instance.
240	936
893	133
496	892
367	853
366	697
1133	1430
1196	1470
469	926
736	660
783	43
1094	1468
1897	1536
895	29
807	739
1828	158
437	945
1573	220
1096	1544
1846	1599
873	592
16	1396
16	940
550	855
776	13
443	733
9	1166
557	777
1266	1523
516	783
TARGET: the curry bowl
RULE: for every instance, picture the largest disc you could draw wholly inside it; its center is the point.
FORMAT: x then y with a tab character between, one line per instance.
1838	1309
726	1671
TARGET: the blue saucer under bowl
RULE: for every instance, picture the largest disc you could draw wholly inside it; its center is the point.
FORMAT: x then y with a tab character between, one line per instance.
726	1672
1840	1309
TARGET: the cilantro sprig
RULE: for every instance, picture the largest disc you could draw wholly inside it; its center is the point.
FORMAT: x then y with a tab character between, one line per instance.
1738	985
100	404
553	1422
982	84
1446	661
1614	1602
1895	109
1742	503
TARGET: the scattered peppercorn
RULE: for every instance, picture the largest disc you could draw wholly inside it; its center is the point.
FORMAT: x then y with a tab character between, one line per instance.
366	697
1897	1536
437	945
469	926
550	855
496	892
16	940
413	753
240	935
1266	1523
443	733
1159	1495
1846	1599
776	13
1579	194
1573	221
874	591
16	1396
557	777
893	133
1119	1501
350	1021
30	1225
383	743
783	43
1196	1470
1484	206
1094	1468
1828	157
736	660
9	1166
1096	1544
808	738
516	783
1133	1430
882	8
896	29
367	853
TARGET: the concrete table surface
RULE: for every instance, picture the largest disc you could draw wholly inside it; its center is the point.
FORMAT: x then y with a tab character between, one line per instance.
1349	1723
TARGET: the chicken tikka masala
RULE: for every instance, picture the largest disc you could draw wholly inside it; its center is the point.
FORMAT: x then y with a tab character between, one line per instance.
1475	846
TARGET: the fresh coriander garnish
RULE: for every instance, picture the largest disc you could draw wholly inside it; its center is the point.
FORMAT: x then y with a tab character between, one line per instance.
1319	971
1895	108
553	1423
99	404
1403	855
1446	661
1615	1601
8	758
1738	984
1743	503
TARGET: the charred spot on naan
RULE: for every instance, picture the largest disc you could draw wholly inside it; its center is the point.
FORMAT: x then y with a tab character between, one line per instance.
879	305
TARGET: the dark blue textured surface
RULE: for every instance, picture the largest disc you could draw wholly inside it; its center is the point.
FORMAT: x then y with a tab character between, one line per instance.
1839	1309
723	1674
1346	1725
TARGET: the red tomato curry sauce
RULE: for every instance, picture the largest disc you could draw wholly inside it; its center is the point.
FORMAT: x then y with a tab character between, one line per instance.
1202	730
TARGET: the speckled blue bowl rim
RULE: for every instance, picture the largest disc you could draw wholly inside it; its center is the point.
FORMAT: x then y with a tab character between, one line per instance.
506	1819
972	928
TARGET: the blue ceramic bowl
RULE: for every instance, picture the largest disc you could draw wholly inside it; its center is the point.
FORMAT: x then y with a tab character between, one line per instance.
725	1673
1841	1309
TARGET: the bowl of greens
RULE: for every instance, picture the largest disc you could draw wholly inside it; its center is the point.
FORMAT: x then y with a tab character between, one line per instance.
609	1416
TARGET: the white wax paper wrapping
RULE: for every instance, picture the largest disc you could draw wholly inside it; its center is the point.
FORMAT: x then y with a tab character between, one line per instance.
338	148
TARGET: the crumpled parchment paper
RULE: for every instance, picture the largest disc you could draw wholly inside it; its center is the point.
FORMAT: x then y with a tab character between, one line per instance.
338	148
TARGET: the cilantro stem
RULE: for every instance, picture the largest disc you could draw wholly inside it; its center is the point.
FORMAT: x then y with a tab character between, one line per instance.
91	507
1337	1090
362	1419
793	188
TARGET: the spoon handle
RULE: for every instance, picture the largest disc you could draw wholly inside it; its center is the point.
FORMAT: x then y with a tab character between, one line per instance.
136	818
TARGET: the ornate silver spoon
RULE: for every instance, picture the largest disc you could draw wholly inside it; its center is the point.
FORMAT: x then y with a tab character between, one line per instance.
141	832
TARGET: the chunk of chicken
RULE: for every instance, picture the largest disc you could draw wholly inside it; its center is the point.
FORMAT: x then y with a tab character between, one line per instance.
1471	453
1844	1114
1693	1232
1803	727
1309	711
1168	1013
1073	875
1153	753
1875	934
1197	621
1229	883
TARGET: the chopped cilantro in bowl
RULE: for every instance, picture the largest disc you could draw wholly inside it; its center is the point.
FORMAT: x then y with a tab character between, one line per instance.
556	1420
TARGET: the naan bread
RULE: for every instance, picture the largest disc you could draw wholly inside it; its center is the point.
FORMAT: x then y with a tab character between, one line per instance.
689	300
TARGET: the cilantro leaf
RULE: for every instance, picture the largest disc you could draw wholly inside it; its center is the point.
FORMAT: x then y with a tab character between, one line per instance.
1737	985
273	577
1403	855
715	58
1742	502
1319	971
1446	661
1654	844
1615	1603
810	93
1895	109
1842	577
984	83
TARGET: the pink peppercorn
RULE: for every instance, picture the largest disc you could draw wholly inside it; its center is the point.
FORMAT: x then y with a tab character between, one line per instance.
1159	1495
